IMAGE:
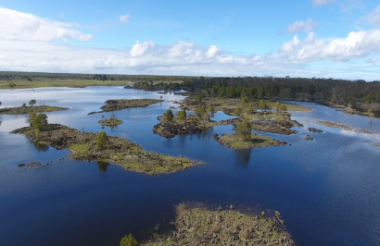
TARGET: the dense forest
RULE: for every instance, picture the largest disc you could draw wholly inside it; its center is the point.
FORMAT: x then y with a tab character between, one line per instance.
358	95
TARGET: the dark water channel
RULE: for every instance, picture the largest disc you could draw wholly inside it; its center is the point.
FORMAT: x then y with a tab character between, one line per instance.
327	190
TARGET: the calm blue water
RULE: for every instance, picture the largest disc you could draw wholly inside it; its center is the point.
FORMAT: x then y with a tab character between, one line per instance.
326	189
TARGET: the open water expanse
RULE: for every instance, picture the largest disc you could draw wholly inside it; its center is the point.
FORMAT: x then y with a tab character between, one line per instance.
327	190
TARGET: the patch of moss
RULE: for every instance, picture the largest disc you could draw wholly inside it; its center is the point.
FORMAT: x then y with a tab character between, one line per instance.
234	141
117	151
31	109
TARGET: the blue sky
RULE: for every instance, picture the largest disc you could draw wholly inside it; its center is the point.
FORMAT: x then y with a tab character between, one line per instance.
310	38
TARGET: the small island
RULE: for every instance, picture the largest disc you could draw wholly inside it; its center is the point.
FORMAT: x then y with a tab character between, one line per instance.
100	147
112	121
24	109
181	123
235	141
202	226
113	105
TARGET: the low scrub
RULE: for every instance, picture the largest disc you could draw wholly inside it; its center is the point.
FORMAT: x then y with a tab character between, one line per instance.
199	226
30	109
97	147
235	141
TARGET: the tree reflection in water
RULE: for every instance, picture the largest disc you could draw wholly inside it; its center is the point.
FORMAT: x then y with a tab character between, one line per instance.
103	166
243	156
41	147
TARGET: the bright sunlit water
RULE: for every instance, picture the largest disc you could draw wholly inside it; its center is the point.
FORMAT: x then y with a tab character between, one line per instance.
327	190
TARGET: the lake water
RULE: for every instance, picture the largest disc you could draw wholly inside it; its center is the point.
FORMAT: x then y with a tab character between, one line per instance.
327	190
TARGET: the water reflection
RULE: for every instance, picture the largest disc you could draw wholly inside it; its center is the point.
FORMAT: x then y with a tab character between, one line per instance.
103	166
336	174
41	147
242	158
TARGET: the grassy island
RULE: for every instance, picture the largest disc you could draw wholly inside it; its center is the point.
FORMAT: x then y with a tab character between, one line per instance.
31	109
112	121
234	141
113	105
100	147
200	226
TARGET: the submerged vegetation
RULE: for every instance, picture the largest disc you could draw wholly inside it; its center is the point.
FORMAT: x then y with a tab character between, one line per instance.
100	147
200	226
113	105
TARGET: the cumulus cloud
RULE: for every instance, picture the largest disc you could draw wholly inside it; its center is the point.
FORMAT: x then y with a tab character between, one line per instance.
322	2
16	25
140	49
30	49
373	17
300	26
124	19
355	45
213	51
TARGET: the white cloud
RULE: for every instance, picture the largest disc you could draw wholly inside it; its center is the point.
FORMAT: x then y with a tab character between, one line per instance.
373	17
322	2
140	49
124	19
300	26
15	25
213	51
355	45
24	47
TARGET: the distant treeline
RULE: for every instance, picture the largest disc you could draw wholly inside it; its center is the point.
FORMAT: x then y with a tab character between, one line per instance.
31	76
327	91
324	91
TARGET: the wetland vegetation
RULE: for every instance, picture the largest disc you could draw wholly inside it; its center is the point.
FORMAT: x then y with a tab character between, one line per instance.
202	226
113	105
100	147
112	121
24	109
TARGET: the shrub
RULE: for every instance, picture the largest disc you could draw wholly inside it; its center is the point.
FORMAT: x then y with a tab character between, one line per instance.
128	241
102	140
238	111
201	111
182	115
168	116
40	121
283	107
32	102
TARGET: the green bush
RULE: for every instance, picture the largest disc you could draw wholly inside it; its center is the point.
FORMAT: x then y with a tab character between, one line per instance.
168	116
102	140
128	241
182	115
